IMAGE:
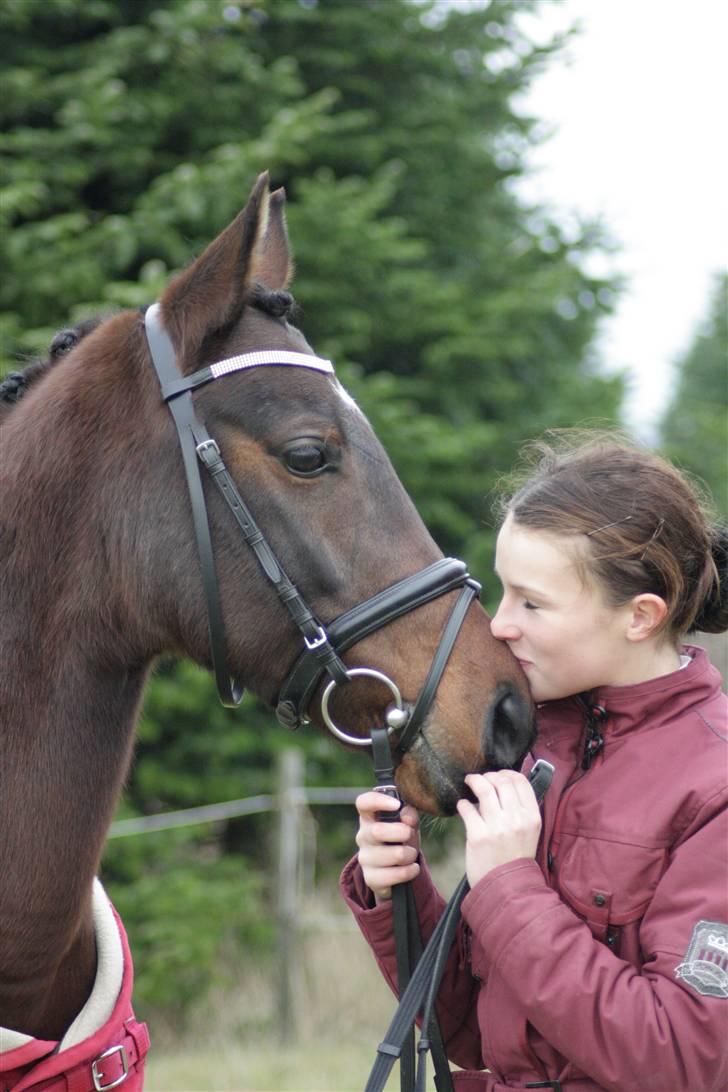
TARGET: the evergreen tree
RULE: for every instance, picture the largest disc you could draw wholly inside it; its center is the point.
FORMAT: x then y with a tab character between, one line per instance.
694	429
459	318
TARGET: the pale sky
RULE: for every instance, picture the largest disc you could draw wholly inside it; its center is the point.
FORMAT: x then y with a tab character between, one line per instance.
638	108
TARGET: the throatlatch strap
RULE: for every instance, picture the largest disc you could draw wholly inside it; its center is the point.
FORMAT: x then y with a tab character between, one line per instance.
165	363
198	446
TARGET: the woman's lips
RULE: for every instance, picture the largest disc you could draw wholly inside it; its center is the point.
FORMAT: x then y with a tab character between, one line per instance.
524	663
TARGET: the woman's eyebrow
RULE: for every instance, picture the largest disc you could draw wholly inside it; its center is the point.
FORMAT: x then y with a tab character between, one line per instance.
524	589
527	590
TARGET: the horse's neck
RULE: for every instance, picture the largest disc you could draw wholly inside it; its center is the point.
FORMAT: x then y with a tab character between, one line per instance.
66	723
64	754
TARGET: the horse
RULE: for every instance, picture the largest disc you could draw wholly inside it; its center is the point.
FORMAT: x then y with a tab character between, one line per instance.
100	576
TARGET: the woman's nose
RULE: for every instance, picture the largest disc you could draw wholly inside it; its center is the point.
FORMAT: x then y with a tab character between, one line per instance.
503	628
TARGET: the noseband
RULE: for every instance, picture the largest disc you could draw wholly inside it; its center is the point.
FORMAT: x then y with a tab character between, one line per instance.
323	645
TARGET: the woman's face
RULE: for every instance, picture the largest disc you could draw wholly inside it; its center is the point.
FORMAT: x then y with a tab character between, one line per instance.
565	636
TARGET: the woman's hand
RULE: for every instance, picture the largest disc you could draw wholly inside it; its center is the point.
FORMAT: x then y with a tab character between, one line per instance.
387	851
505	825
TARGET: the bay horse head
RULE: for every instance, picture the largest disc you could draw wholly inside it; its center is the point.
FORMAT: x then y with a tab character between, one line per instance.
336	517
331	598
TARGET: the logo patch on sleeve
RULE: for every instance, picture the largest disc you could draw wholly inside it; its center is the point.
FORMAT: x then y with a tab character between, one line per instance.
705	967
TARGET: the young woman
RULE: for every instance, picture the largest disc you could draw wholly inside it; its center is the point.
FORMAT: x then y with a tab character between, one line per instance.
593	952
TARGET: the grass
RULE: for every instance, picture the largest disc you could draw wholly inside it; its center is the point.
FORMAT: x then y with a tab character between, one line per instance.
326	1066
235	1043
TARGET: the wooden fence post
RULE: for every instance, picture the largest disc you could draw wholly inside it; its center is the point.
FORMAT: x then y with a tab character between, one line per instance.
290	805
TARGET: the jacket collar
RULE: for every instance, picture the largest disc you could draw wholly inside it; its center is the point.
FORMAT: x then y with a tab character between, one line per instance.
649	703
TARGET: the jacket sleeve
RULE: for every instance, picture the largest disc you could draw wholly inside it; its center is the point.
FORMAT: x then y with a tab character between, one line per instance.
457	999
626	1028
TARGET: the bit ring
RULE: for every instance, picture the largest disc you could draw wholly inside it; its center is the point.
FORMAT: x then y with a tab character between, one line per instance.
358	741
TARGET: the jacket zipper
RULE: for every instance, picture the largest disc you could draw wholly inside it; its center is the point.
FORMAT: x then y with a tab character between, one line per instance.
596	716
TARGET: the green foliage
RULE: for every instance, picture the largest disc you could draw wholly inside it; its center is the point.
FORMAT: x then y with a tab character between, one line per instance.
695	426
460	319
185	903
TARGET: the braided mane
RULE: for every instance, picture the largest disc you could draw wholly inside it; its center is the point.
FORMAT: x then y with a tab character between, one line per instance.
277	304
16	384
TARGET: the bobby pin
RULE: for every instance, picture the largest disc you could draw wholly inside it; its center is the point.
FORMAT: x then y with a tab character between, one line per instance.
606	526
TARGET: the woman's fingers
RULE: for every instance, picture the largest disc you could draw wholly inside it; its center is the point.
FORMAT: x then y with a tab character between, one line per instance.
380	833
387	856
380	881
374	829
484	791
504	789
470	816
384	866
369	803
388	851
520	786
505	824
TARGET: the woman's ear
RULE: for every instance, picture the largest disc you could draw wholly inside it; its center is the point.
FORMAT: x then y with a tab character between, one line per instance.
647	612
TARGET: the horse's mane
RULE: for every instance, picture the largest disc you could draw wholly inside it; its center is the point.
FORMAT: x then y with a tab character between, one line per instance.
16	384
277	304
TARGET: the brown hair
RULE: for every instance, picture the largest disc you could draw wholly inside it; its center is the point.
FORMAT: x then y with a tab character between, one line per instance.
643	525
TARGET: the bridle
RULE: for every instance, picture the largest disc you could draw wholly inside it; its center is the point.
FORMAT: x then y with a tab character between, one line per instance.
323	644
419	972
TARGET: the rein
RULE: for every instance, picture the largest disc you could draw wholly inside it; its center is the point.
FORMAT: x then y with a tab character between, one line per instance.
419	976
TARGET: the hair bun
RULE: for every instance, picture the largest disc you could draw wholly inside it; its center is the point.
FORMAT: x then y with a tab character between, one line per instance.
713	615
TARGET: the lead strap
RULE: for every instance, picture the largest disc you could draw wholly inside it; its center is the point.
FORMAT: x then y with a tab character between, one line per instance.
425	981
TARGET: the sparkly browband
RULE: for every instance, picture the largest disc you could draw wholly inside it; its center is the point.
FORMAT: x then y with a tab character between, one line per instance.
275	357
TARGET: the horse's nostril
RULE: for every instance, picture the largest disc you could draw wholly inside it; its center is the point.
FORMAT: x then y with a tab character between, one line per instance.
509	731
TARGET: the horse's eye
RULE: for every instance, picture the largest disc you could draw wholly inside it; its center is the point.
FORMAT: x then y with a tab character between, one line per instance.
307	458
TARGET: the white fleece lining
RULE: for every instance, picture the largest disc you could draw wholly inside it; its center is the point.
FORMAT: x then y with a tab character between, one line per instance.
109	973
106	987
11	1040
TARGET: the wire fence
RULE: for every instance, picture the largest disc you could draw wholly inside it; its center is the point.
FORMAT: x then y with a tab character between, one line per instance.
294	853
299	796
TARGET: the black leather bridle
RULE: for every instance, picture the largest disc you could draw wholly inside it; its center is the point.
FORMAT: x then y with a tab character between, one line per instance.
419	972
323	644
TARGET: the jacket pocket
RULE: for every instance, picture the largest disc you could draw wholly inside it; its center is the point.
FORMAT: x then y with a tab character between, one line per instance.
595	909
608	883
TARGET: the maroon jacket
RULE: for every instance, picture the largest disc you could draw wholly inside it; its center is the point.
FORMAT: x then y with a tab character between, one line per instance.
603	964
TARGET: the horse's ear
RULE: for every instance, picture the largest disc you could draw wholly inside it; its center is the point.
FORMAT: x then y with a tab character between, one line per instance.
272	263
206	296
